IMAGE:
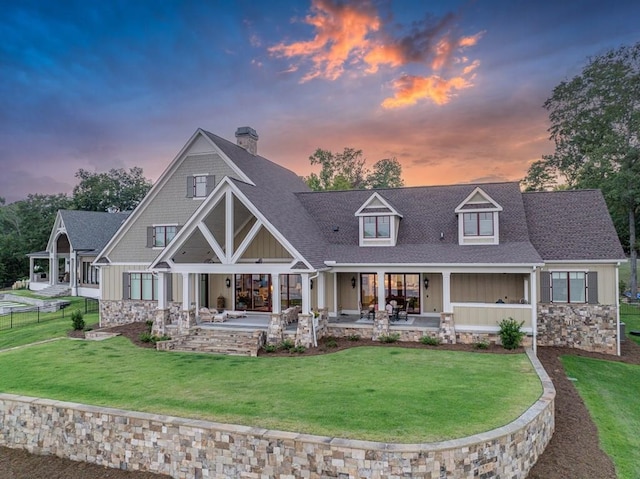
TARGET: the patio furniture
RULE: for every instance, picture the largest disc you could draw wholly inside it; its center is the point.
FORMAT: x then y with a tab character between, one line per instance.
205	315
236	314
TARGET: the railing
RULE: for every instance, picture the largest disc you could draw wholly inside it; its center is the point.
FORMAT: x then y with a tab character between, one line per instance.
91	305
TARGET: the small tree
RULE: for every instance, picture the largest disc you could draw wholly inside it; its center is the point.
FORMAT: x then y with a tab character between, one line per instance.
511	333
77	320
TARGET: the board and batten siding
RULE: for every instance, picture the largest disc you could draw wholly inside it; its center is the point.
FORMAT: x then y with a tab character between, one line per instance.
606	278
490	316
112	281
432	296
170	206
486	288
264	245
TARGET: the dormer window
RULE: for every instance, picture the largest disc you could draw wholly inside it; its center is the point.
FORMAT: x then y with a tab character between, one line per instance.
377	226
478	224
378	222
478	219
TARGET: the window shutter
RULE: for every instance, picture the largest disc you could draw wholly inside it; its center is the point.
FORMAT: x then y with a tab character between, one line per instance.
150	231
545	287
189	186
169	283
592	287
211	183
126	286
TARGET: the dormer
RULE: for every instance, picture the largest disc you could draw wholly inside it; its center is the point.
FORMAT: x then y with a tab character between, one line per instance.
378	222
478	219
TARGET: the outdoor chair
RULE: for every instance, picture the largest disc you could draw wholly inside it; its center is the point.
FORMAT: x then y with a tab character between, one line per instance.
205	315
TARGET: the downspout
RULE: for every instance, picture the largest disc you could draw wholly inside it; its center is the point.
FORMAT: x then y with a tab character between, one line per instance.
313	319
534	310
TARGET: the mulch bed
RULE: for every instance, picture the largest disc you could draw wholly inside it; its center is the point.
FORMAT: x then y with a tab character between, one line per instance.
573	452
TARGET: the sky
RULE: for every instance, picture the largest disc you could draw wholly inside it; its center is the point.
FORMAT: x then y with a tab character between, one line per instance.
452	89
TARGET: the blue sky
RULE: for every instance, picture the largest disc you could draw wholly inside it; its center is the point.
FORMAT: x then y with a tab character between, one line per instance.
452	89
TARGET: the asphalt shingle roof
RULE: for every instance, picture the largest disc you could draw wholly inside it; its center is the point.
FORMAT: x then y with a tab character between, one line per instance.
91	230
571	225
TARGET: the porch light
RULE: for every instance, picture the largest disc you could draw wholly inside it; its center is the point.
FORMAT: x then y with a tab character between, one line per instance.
227	282
426	283
353	282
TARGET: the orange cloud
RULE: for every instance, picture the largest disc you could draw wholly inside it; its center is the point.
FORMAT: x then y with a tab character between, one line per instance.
410	89
341	32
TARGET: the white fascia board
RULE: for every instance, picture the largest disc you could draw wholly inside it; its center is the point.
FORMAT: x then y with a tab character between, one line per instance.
270	228
192	223
237	268
586	261
57	224
484	195
376	195
241	174
431	267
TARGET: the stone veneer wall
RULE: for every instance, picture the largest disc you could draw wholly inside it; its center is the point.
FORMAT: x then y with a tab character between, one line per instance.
184	448
116	312
591	327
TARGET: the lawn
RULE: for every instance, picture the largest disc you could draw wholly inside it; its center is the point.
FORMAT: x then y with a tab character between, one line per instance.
611	392
47	328
630	316
380	394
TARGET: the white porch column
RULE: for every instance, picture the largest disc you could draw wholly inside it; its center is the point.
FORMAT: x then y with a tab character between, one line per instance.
306	294
446	292
275	294
335	295
53	267
162	291
534	309
73	272
197	278
32	276
381	291
186	290
321	291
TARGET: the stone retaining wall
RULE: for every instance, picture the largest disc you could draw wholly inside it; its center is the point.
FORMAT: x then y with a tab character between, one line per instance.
184	448
591	327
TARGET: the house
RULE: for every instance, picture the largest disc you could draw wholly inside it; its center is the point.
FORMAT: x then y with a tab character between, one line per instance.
226	228
66	266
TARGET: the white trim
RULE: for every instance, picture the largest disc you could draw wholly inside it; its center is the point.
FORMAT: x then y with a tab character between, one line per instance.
376	195
209	238
246	242
492	305
586	261
618	309
237	268
482	193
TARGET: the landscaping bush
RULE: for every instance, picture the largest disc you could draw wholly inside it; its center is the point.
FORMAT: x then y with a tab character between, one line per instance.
481	345
270	348
353	337
511	333
146	337
331	343
77	320
390	338
298	349
287	344
430	341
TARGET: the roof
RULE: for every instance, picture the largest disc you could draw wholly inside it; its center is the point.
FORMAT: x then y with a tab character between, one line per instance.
91	230
428	214
571	225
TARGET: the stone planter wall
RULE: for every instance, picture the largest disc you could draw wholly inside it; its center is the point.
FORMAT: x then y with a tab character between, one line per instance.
184	448
591	327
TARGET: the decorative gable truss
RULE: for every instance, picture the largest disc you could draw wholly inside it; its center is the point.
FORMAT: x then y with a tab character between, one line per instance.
478	219
228	234
378	221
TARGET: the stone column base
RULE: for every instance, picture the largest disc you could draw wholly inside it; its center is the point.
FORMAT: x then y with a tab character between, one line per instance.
380	325
447	331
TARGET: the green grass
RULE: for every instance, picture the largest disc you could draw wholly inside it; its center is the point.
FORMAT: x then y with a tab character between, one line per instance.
630	316
379	394
611	392
47	328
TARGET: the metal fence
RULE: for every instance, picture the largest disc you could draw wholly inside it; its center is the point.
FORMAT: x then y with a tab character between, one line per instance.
25	315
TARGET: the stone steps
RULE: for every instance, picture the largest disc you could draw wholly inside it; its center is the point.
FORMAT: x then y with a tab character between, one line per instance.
217	341
55	291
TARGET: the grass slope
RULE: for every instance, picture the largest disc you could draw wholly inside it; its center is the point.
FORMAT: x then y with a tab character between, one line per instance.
611	392
380	394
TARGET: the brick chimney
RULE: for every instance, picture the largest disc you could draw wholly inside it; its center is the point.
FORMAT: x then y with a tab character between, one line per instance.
247	138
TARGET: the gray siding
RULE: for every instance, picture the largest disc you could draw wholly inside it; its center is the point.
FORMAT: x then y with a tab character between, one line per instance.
171	205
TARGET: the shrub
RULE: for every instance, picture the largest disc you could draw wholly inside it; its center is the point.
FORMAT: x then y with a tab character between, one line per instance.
353	337
149	324
77	321
430	341
481	345
298	349
270	348
390	338
331	343
146	337
511	333
287	344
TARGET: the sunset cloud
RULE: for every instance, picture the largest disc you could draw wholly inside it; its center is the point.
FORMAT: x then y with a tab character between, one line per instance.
353	36
411	89
341	33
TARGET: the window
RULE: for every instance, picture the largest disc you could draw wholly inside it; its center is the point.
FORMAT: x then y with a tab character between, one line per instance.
568	287
253	292
89	273
162	235
199	186
143	286
377	226
478	224
290	290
